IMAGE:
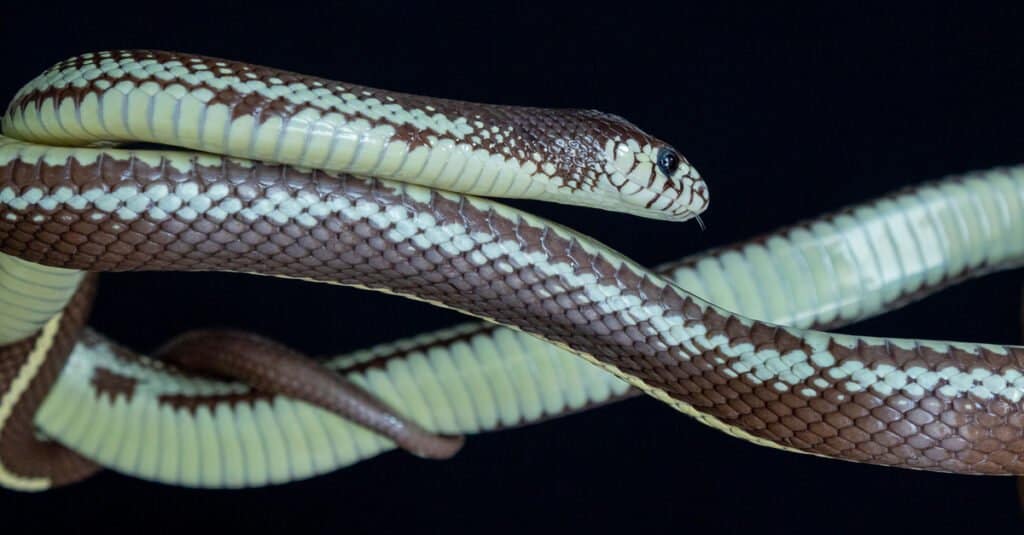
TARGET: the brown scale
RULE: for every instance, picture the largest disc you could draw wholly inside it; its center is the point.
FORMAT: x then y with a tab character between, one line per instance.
961	434
570	139
270	369
268	366
109	383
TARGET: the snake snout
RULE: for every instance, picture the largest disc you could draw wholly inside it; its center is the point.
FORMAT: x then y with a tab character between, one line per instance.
701	197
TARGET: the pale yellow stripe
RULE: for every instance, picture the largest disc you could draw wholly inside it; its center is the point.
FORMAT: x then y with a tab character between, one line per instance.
10	398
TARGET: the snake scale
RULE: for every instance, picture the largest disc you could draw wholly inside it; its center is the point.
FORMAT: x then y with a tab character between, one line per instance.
341	184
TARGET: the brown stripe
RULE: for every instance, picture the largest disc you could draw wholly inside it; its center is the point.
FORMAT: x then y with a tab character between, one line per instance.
967	435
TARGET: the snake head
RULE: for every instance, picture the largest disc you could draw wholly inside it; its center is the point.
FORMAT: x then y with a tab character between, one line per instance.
619	167
654	178
601	160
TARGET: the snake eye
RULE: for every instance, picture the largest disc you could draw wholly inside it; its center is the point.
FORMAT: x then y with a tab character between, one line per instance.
668	161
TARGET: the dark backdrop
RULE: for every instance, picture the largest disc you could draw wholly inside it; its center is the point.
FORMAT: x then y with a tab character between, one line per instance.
788	113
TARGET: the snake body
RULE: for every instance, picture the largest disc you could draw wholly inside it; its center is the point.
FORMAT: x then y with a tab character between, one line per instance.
919	404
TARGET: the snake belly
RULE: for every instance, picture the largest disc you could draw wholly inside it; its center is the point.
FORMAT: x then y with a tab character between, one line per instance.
512	268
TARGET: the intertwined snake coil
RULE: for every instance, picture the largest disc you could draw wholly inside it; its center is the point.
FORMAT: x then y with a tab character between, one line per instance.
336	183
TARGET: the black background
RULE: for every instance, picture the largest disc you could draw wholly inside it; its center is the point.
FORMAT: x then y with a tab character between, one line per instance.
788	113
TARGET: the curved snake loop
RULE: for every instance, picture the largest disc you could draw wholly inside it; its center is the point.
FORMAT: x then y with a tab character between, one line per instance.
933	405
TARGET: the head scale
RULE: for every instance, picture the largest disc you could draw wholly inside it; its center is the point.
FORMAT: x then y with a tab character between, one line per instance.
607	162
651	176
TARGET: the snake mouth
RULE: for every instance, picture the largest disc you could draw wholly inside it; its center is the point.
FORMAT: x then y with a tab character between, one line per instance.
686	215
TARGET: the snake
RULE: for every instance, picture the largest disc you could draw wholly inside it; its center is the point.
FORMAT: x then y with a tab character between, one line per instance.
268	172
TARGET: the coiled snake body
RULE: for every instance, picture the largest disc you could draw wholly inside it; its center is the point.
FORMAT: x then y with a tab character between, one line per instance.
395	224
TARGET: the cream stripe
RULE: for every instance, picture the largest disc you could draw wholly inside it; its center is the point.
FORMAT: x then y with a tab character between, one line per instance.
829	236
21	382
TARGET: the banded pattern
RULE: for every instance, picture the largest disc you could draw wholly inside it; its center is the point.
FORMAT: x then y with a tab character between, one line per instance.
577	156
609	293
137	416
919	404
580	157
500	377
